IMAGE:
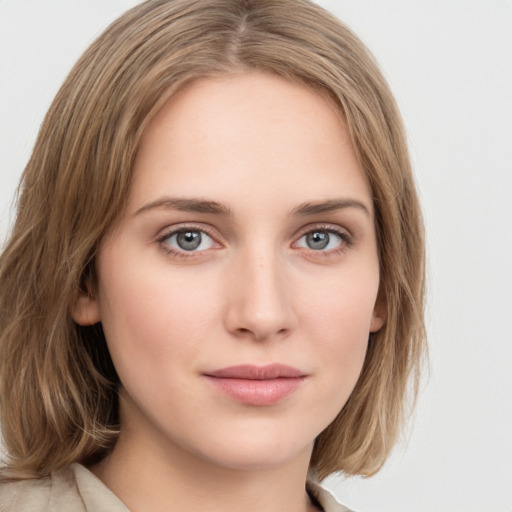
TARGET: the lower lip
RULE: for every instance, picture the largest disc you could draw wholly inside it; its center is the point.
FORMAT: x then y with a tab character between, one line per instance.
257	392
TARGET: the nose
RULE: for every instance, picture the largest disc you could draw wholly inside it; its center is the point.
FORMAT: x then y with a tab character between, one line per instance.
259	299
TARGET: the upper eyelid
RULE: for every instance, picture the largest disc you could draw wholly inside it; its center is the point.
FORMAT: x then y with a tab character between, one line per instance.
172	230
168	231
327	226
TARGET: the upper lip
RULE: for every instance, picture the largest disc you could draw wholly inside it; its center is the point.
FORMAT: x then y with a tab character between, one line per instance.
252	372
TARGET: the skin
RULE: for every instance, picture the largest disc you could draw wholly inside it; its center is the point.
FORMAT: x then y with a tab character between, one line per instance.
253	293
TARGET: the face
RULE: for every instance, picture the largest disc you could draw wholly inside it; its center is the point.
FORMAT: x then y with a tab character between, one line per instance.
237	291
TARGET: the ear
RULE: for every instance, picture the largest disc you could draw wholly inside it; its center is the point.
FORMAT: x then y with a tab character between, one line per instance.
85	309
379	315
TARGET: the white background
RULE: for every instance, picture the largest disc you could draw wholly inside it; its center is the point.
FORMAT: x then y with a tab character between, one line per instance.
449	63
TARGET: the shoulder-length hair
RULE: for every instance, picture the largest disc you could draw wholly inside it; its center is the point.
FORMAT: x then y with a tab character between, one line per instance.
58	385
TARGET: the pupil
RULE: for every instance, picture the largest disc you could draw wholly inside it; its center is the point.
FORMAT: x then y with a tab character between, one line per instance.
317	240
189	240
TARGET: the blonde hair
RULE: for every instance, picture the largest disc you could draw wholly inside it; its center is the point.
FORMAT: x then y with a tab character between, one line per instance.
58	386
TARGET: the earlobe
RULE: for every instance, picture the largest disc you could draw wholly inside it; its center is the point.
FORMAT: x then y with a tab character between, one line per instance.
85	310
378	317
376	323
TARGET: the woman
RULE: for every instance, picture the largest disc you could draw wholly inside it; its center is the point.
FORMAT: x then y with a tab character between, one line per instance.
214	285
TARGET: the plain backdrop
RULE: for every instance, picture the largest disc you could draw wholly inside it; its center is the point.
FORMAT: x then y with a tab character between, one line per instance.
449	63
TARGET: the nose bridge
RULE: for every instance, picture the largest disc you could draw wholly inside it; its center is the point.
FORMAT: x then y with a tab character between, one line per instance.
260	305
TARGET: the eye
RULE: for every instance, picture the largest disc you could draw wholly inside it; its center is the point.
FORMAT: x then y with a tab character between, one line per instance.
322	240
187	240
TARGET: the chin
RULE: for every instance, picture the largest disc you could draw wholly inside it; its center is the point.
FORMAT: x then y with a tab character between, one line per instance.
258	453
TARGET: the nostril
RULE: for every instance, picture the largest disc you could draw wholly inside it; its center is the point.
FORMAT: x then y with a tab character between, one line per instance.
259	334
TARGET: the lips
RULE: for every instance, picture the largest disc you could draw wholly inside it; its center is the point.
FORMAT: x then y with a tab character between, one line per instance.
257	385
272	371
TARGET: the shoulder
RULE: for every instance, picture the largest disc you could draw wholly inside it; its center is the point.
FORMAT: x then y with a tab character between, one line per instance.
73	489
324	498
33	495
54	493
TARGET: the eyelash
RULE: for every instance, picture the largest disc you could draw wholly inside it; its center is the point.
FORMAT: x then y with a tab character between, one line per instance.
346	240
184	228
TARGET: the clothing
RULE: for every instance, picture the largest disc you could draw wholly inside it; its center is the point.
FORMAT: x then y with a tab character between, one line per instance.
76	489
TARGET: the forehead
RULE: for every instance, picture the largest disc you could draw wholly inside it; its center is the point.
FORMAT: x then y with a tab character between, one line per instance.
247	135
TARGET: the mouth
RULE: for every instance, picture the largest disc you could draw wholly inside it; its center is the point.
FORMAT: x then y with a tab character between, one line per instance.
257	385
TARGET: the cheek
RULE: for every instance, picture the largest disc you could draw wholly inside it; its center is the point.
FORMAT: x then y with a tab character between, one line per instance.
153	316
338	318
342	304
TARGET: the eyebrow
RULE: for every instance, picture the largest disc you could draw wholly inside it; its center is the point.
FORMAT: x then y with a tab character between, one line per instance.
197	205
316	207
187	205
